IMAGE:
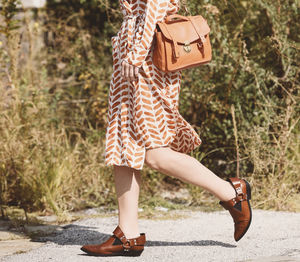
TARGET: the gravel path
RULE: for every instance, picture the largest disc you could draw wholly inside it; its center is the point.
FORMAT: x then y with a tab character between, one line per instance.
273	236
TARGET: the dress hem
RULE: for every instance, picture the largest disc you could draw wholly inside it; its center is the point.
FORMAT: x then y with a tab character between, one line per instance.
113	163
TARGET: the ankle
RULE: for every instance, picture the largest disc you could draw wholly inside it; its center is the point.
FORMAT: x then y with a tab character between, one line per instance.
130	233
228	192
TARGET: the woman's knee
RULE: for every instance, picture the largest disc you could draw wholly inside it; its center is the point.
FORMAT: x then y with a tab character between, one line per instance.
156	157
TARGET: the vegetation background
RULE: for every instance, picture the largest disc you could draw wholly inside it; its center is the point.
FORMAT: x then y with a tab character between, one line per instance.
55	67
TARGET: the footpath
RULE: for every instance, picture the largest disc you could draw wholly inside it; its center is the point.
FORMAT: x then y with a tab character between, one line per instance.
193	237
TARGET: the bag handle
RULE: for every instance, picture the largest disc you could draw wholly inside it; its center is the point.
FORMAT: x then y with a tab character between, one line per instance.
175	17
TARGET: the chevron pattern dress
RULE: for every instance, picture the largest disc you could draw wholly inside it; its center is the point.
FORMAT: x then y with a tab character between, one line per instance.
143	114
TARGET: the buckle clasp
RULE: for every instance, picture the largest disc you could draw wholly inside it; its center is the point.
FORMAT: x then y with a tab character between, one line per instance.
187	47
126	246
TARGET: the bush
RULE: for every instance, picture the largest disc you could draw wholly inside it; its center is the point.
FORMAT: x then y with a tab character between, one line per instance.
53	113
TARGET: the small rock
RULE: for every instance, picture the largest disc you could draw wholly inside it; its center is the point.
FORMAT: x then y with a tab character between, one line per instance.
17	246
33	3
48	219
181	196
91	211
6	235
43	230
163	209
274	259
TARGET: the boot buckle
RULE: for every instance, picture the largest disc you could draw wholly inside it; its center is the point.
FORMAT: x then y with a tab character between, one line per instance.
126	246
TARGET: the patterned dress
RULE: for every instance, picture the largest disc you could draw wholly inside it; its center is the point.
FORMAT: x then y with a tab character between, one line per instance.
143	114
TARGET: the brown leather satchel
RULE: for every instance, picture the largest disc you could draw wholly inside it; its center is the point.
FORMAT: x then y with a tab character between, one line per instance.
181	42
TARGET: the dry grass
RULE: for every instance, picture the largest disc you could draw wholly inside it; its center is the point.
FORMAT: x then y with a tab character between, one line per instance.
51	156
275	154
40	168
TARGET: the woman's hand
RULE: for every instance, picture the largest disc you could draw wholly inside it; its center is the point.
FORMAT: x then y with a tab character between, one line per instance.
129	71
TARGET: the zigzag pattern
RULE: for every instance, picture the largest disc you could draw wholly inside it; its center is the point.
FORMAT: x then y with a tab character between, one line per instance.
143	114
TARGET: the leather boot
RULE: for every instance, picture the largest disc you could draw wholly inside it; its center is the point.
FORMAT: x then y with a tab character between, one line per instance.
239	207
117	245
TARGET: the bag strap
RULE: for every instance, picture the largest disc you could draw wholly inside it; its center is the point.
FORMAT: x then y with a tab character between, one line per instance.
187	11
202	38
175	45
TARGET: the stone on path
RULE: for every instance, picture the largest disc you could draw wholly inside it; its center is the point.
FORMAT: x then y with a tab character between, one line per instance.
18	246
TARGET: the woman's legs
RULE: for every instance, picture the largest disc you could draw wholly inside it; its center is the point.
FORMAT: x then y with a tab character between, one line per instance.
184	167
127	183
190	170
170	162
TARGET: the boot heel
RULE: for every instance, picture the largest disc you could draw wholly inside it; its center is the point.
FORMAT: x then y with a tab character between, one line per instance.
133	253
248	188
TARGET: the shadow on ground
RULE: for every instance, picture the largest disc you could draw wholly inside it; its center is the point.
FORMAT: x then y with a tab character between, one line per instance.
82	235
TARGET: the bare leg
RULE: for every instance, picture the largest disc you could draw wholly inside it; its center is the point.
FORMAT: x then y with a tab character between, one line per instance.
127	183
188	169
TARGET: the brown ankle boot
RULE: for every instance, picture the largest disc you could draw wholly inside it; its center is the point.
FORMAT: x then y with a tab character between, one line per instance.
117	245
239	207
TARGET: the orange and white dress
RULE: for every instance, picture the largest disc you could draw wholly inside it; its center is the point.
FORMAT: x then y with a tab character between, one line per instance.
143	114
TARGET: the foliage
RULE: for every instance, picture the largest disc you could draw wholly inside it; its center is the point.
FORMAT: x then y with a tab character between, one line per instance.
8	26
255	71
8	12
53	111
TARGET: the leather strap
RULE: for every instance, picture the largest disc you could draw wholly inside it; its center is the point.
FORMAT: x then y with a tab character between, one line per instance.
240	196
187	11
236	183
230	203
129	243
120	235
139	241
175	45
201	37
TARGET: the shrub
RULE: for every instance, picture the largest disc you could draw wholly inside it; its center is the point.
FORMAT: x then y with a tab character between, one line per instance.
53	112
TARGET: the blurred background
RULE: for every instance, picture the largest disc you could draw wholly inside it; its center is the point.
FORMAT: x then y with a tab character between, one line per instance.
55	68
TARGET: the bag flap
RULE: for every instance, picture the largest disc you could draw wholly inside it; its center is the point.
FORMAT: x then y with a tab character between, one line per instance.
183	31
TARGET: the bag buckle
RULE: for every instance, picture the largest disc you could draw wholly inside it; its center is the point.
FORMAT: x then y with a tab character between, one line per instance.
187	47
203	40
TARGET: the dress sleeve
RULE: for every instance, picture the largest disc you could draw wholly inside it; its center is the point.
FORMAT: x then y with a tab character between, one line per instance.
155	11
